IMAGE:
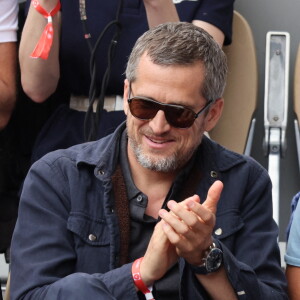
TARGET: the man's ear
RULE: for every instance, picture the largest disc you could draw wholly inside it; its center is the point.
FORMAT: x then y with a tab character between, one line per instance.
214	114
126	95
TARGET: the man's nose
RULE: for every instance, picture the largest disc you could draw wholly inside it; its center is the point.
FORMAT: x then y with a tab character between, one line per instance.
159	123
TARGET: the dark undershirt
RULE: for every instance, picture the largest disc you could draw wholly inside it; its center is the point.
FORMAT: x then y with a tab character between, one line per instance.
142	225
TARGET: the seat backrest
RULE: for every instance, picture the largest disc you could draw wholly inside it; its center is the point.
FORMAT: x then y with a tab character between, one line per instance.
241	90
297	103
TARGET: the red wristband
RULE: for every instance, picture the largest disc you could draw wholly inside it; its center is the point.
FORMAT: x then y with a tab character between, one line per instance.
42	48
147	291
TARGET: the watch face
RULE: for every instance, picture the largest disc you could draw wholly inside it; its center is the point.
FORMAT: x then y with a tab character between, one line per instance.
214	260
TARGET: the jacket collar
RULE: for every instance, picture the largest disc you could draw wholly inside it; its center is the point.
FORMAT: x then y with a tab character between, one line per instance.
103	154
218	157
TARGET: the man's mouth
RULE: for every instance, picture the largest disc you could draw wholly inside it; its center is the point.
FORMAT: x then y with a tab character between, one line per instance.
157	141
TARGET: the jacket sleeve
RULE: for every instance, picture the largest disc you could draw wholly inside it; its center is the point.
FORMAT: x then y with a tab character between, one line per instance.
43	258
250	253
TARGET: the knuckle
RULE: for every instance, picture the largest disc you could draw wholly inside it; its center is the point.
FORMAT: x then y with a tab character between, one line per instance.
176	209
208	217
176	240
189	248
185	229
193	222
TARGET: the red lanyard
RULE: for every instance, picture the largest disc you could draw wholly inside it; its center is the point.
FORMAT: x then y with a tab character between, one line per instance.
44	44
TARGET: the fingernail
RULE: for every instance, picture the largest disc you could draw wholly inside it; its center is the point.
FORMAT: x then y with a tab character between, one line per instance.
171	204
161	213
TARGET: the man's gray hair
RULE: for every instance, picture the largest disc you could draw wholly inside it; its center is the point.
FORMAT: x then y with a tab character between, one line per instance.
182	43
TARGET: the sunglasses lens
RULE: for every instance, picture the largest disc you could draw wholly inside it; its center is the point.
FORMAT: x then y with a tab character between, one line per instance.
143	109
179	117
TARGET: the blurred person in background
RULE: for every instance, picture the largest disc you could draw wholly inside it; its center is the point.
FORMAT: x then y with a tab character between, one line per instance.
8	93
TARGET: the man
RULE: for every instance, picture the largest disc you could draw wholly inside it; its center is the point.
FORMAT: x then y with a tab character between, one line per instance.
89	214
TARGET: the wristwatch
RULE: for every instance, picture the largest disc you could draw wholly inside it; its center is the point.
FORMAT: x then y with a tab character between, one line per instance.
212	261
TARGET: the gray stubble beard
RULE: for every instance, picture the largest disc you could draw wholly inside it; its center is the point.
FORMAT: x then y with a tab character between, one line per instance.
165	165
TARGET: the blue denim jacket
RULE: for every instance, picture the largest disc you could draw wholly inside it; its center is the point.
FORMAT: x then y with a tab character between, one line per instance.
66	240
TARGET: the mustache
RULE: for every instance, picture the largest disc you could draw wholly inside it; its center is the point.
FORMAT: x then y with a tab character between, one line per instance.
149	133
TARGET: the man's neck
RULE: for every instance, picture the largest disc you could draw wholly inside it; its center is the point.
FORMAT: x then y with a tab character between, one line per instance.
155	185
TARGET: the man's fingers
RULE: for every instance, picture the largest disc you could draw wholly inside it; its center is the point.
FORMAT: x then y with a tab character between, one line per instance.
213	196
194	198
180	217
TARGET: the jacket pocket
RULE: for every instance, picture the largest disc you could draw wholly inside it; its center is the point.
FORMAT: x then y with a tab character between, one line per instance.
91	231
228	223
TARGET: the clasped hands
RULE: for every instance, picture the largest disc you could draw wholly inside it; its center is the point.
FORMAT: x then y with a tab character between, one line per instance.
185	231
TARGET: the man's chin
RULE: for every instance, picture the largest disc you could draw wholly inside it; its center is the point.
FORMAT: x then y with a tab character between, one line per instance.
158	164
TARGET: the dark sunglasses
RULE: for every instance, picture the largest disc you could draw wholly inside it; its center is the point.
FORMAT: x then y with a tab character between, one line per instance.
177	116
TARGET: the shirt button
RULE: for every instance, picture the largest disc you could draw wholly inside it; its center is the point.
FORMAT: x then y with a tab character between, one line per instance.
139	198
218	231
92	238
213	174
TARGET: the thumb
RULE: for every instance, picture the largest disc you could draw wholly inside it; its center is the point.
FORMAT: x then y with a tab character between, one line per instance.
213	196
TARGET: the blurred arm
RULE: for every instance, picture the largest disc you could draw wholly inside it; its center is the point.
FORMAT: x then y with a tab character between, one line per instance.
8	58
39	77
160	11
293	278
214	31
8	63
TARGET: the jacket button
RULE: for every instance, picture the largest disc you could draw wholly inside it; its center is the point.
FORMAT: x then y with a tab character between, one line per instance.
92	237
101	172
139	198
213	174
218	231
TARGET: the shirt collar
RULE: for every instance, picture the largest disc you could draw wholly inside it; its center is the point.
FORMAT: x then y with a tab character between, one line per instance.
132	190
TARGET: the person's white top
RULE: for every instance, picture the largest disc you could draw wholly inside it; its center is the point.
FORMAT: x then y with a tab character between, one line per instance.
8	20
292	256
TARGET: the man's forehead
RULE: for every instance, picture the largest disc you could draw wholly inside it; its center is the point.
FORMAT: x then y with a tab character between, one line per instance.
146	61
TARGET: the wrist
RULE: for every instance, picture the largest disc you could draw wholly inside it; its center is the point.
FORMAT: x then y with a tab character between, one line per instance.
211	261
145	273
142	286
43	47
48	5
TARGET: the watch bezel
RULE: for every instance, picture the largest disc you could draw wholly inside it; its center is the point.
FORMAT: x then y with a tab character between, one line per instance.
212	261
